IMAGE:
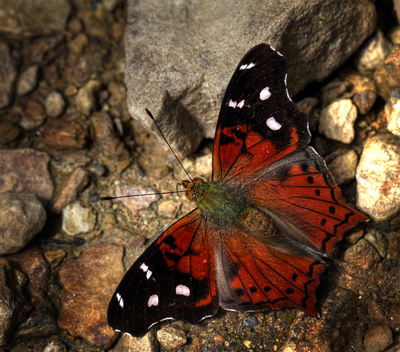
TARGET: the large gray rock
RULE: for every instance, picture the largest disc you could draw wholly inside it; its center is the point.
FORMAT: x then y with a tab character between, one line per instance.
180	55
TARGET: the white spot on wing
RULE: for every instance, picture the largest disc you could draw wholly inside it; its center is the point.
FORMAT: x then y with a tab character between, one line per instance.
287	92
120	300
182	290
265	93
153	301
148	274
275	50
247	66
240	104
273	124
232	103
144	267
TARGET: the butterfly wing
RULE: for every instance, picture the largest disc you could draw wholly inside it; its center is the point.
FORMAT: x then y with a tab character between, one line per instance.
173	279
255	273
299	194
258	123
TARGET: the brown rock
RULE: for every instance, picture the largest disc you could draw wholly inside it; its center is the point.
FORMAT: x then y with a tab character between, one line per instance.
364	101
34	115
147	343
112	150
22	218
89	282
387	77
378	339
363	255
62	134
25	170
135	204
72	185
8	132
171	338
8	74
44	50
13	303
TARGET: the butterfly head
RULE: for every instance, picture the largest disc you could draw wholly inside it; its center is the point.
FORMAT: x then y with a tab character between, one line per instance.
193	187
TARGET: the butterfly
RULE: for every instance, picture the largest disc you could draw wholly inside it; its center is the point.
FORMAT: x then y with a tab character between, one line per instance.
264	225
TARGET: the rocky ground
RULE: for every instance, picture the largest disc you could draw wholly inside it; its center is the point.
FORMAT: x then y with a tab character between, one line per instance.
67	138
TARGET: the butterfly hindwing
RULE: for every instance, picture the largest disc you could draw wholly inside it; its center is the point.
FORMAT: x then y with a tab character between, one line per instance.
258	123
258	274
173	279
299	194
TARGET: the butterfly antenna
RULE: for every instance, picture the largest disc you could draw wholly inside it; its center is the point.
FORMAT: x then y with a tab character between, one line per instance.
140	195
169	146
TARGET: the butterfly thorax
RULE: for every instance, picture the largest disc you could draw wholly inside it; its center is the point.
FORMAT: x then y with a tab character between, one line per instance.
221	205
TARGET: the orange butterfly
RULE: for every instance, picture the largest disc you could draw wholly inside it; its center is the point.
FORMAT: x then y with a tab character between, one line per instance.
262	227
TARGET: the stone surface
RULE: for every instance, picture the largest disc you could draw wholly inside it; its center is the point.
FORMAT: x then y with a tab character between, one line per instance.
378	339
362	255
387	76
86	97
61	134
135	204
55	346
25	170
54	104
378	178
364	101
147	343
21	19
77	219
373	53
171	338
181	78
22	217
88	283
9	132
69	189
113	152
14	305
392	111
34	115
8	74
27	80
336	121
343	165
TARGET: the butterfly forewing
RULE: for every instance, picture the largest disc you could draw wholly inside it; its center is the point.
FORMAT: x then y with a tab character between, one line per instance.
258	123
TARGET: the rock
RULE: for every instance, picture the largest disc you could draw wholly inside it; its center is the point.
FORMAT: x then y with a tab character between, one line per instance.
20	19
392	110
71	186
168	208
54	258
378	177
362	255
61	134
378	240
182	81
343	165
77	219
86	97
27	80
13	303
41	320
373	53
147	343
55	346
8	75
25	170
334	90
171	338
387	76
54	104
364	101
44	50
34	115
88	283
22	218
203	165
336	121
135	204
78	45
378	339
113	152
117	93
9	132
